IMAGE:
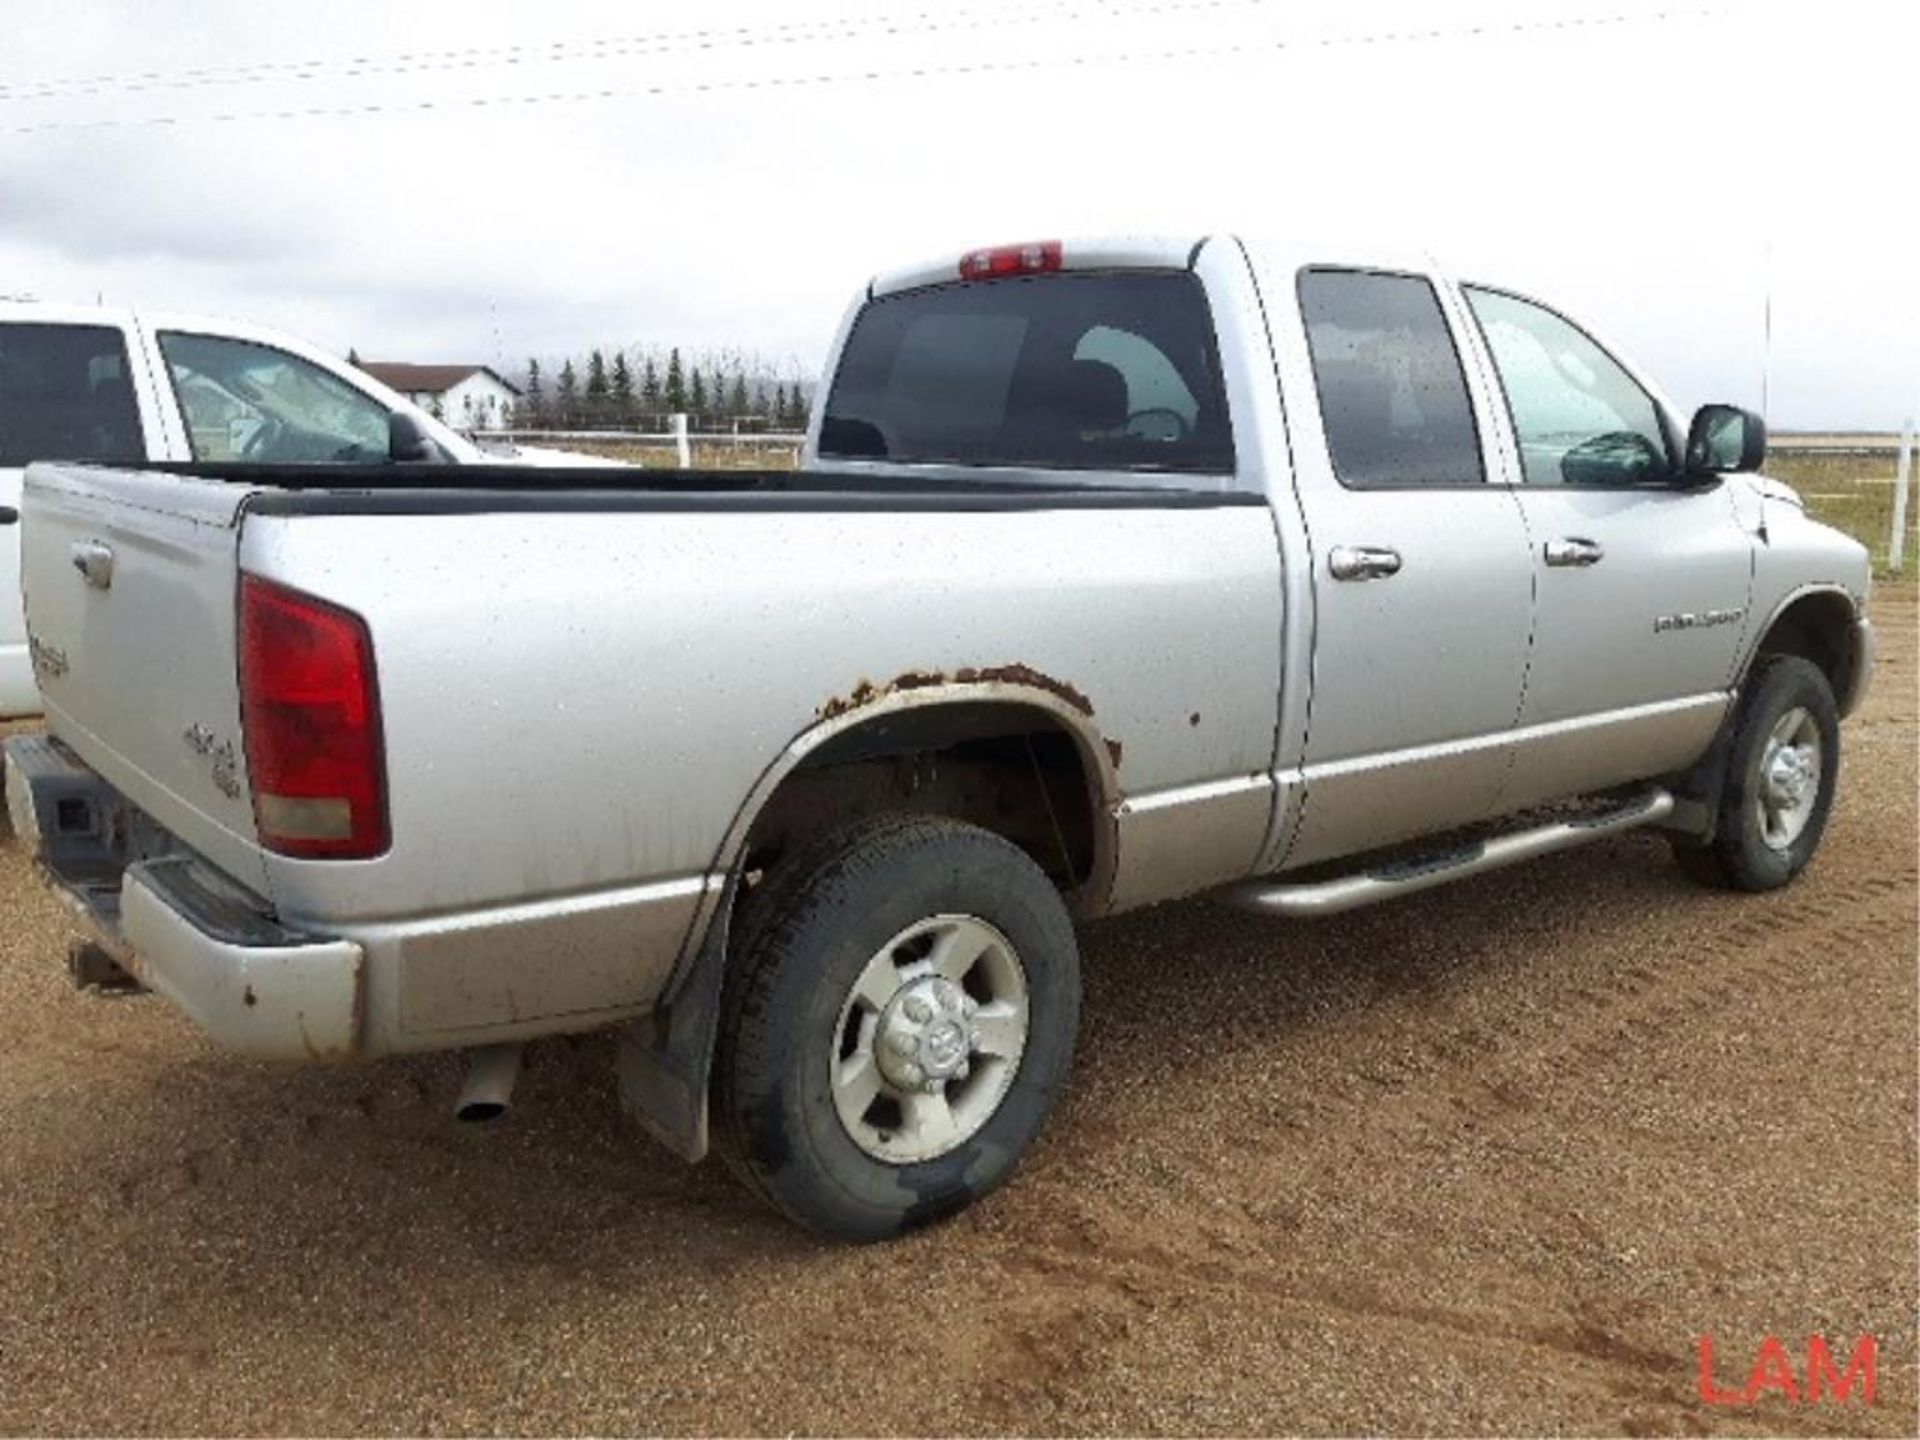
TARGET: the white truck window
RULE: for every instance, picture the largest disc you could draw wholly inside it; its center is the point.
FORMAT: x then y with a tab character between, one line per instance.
1579	418
250	402
1075	371
65	394
1393	397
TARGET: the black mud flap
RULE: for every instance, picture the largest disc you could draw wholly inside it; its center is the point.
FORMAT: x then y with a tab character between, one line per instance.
666	1057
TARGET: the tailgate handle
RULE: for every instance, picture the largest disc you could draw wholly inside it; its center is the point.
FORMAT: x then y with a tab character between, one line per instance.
94	560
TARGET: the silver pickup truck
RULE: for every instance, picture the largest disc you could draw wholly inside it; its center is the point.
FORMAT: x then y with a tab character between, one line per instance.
1116	572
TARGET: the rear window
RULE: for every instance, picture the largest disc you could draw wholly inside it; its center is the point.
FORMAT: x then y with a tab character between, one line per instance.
1091	371
65	395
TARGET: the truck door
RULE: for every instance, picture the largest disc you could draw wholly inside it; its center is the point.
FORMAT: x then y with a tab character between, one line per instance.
1641	576
1421	579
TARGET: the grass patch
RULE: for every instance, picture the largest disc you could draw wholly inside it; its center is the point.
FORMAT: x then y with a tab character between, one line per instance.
1853	493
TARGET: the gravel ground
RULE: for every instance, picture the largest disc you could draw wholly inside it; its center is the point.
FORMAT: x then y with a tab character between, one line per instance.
1488	1161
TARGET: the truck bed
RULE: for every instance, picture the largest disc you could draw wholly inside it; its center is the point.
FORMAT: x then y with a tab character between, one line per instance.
586	678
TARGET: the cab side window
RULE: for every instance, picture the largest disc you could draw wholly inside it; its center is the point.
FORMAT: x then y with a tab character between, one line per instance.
1579	417
250	402
65	395
1393	396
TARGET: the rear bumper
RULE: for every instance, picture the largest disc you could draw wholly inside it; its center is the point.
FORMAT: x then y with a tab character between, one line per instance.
294	988
250	985
177	926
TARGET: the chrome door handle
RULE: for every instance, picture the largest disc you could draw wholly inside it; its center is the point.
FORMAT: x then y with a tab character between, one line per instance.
1574	551
1362	562
94	560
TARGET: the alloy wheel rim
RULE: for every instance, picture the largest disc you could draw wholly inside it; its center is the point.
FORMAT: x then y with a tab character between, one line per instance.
1789	787
929	1039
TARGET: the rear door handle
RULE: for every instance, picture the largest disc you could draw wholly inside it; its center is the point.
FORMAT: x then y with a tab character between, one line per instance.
1573	550
8	514
1362	562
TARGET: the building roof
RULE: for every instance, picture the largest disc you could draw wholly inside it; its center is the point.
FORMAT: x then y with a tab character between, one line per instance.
414	379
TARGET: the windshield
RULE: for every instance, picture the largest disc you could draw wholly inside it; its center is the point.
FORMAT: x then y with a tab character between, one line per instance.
1074	371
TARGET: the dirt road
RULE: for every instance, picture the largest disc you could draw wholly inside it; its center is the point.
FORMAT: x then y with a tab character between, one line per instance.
1490	1160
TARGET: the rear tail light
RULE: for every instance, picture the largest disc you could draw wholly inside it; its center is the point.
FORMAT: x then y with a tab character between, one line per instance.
310	712
1031	258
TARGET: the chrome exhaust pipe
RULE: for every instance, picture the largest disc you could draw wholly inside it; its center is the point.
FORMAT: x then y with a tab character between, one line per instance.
487	1092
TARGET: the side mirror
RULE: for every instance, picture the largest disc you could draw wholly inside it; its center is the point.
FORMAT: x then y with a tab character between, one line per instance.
1724	439
407	442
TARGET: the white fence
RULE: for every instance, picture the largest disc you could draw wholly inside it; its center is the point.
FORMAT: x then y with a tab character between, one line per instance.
679	439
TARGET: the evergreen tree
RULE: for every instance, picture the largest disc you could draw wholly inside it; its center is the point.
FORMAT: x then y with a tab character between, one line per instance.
620	389
778	415
737	397
353	358
535	401
650	386
596	387
697	393
760	401
676	392
568	393
797	415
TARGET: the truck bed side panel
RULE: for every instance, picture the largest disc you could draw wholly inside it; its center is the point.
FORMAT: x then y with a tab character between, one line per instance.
577	702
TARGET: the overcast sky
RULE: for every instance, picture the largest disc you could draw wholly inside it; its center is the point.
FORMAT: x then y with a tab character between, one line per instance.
724	174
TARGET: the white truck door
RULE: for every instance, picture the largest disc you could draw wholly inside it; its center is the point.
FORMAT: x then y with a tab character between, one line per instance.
1641	578
1421	579
73	386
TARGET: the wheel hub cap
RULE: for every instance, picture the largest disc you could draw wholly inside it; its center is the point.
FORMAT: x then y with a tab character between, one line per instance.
1789	775
1789	780
923	1038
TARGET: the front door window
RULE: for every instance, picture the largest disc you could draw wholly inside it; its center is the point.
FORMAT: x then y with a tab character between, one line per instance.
254	403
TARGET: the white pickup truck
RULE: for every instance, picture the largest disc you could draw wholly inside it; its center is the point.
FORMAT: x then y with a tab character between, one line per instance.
102	384
1117	571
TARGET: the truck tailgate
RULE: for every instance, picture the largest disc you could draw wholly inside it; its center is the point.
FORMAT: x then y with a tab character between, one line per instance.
130	583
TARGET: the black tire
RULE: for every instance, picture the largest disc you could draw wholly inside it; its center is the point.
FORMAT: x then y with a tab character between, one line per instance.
1739	856
803	940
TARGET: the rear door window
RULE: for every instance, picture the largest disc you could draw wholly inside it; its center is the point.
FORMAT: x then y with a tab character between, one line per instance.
1094	371
1393	398
66	394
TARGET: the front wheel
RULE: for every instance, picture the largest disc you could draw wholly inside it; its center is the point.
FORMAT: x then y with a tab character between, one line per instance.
1782	767
898	1023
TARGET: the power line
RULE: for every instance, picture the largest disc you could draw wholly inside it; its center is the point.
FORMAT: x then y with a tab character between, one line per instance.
874	76
602	48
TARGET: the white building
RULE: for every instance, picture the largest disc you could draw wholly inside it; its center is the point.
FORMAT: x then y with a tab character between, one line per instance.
467	397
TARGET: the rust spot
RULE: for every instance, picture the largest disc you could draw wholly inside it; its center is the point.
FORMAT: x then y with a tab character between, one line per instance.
1194	719
866	692
249	998
1114	751
1027	675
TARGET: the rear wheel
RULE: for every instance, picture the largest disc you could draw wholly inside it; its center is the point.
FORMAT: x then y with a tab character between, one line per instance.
899	1020
1781	770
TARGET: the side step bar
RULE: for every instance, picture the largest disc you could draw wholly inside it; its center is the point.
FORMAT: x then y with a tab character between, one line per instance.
1407	877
